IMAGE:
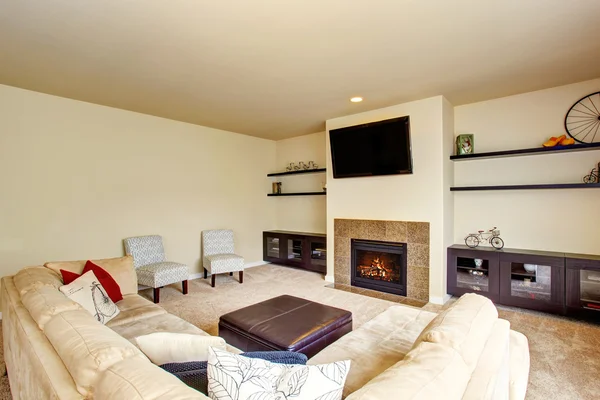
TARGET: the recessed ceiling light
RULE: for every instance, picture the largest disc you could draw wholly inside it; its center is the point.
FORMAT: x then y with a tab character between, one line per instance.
356	99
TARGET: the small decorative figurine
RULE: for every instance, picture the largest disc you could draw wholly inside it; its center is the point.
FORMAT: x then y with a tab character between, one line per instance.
593	176
492	236
465	144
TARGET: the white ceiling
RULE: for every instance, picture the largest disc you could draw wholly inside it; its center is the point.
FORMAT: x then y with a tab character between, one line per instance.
280	68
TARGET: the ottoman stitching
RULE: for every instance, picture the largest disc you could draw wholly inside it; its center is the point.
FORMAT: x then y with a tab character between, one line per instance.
276	316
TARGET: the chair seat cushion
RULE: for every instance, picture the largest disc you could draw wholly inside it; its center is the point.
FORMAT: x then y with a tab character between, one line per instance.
162	273
220	263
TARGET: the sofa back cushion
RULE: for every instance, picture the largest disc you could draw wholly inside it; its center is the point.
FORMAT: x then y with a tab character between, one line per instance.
121	269
134	379
45	302
465	327
36	277
429	371
87	347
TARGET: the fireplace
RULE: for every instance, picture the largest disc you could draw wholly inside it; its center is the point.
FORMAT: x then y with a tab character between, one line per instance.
379	266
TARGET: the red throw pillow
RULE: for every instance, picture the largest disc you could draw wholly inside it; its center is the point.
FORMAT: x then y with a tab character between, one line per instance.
106	280
68	276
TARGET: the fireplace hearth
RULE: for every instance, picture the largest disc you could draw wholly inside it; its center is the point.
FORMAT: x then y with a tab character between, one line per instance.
378	265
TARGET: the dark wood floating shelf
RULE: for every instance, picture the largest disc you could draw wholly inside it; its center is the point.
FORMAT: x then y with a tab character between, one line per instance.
526	152
528	187
298	194
302	171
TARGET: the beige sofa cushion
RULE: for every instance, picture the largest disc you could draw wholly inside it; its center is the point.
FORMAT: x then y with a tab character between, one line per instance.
121	269
135	380
171	347
465	326
376	345
45	302
519	363
87	347
429	371
133	308
489	380
36	277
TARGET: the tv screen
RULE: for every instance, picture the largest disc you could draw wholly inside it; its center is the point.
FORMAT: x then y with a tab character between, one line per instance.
377	148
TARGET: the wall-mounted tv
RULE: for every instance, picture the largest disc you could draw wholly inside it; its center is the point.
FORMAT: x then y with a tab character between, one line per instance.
376	148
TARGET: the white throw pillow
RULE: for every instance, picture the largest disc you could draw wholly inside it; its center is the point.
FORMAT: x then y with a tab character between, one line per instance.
166	347
236	377
89	293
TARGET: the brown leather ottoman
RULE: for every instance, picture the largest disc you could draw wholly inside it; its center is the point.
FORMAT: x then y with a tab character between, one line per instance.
285	323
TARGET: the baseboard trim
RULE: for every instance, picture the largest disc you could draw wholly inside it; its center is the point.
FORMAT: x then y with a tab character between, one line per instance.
440	300
246	266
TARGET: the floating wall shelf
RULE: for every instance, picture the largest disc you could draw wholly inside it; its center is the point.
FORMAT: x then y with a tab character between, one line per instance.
297	194
528	187
526	152
302	171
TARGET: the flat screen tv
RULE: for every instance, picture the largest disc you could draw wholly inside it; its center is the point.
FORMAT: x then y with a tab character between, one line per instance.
376	148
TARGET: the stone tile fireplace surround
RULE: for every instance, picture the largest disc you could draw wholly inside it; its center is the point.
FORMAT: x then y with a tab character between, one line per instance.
414	234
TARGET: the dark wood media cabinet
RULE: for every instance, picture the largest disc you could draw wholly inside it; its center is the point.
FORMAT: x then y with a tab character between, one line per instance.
562	283
296	249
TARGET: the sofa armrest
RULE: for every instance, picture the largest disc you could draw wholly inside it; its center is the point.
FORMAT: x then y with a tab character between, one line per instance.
519	365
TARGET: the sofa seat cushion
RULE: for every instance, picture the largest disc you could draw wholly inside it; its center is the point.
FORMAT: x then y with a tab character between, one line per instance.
162	274
87	347
376	345
121	269
133	308
137	380
160	323
36	277
45	302
465	326
429	371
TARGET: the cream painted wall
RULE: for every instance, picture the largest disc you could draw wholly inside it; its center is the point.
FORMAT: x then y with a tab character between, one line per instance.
447	195
77	178
561	220
301	213
416	197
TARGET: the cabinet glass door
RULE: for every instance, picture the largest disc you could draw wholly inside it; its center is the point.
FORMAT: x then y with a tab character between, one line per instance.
589	289
295	249
473	274
272	247
534	280
318	253
531	281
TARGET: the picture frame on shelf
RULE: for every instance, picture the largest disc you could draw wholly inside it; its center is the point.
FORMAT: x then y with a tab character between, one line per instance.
465	144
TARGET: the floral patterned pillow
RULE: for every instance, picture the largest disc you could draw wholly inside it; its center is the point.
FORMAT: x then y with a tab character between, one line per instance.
233	377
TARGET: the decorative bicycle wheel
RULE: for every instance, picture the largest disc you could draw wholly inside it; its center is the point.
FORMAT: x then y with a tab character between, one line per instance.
497	242
472	241
582	122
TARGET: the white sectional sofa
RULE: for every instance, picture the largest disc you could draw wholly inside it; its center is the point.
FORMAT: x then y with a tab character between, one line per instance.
56	350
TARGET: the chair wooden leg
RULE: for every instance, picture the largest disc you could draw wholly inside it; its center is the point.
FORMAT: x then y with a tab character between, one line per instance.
205	273
184	286
231	274
156	295
241	276
212	280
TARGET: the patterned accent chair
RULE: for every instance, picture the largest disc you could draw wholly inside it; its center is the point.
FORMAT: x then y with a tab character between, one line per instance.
151	265
219	254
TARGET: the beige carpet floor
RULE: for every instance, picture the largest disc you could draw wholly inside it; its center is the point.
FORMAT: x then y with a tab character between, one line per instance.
565	354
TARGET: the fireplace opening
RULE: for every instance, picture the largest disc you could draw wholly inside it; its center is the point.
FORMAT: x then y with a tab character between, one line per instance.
379	266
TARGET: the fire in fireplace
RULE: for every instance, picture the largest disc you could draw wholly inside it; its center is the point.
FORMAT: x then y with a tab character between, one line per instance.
379	266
